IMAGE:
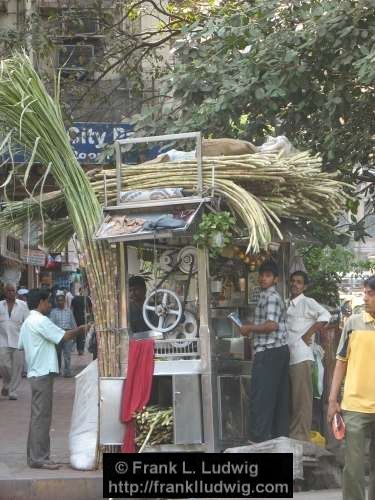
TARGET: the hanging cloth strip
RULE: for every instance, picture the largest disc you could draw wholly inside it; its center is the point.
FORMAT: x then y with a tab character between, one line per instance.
137	387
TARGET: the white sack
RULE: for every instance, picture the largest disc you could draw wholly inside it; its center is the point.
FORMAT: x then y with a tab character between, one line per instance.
279	144
83	435
162	193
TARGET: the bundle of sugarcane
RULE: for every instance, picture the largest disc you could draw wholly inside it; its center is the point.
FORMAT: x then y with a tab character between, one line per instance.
32	119
154	426
260	189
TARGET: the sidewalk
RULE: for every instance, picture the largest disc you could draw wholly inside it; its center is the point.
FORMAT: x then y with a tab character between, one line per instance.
15	417
14	423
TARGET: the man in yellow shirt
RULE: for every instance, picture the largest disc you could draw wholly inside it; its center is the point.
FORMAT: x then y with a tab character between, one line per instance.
356	363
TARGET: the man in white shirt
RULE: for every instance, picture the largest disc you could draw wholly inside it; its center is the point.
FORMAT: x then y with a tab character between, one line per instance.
304	317
13	313
38	338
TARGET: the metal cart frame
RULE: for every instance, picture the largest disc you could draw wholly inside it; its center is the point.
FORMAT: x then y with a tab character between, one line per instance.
213	381
201	367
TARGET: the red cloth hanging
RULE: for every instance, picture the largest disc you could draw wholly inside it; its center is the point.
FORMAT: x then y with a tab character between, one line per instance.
137	387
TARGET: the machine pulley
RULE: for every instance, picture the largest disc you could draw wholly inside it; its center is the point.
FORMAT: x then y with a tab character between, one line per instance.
162	310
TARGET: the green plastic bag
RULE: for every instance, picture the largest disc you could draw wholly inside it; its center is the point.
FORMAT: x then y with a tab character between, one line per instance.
318	372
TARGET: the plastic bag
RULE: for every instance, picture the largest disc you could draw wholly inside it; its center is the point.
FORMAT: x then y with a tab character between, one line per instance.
175	155
90	342
318	439
279	144
338	426
318	371
83	435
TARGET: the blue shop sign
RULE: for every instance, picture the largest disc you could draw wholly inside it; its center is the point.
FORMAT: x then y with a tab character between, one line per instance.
89	139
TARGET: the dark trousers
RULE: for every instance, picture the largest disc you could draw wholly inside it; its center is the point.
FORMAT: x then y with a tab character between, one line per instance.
58	348
269	395
38	442
80	342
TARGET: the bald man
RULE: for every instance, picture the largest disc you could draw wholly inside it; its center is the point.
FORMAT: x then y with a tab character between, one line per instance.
13	313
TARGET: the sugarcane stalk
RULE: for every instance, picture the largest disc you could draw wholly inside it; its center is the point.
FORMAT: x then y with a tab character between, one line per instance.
36	121
150	432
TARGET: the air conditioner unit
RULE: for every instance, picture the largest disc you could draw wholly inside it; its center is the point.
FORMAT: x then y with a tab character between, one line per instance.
3	6
75	57
61	4
80	25
11	247
49	4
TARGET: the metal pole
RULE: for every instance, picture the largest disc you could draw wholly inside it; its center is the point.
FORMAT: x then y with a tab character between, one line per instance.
30	9
105	189
198	154
123	309
284	259
118	170
209	377
162	138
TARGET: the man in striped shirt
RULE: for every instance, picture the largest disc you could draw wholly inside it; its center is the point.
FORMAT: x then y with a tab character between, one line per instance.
269	378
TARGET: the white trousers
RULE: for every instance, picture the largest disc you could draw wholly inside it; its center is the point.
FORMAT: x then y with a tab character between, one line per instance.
11	364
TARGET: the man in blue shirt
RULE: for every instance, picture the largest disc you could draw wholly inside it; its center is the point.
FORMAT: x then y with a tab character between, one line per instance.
63	318
269	396
38	337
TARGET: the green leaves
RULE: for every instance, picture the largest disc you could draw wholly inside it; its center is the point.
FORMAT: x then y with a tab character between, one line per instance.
326	268
308	72
259	93
215	231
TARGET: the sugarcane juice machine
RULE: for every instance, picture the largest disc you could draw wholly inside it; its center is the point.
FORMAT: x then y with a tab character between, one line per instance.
201	367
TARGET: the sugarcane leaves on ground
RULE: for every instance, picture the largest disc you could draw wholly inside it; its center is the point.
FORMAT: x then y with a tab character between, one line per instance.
154	426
